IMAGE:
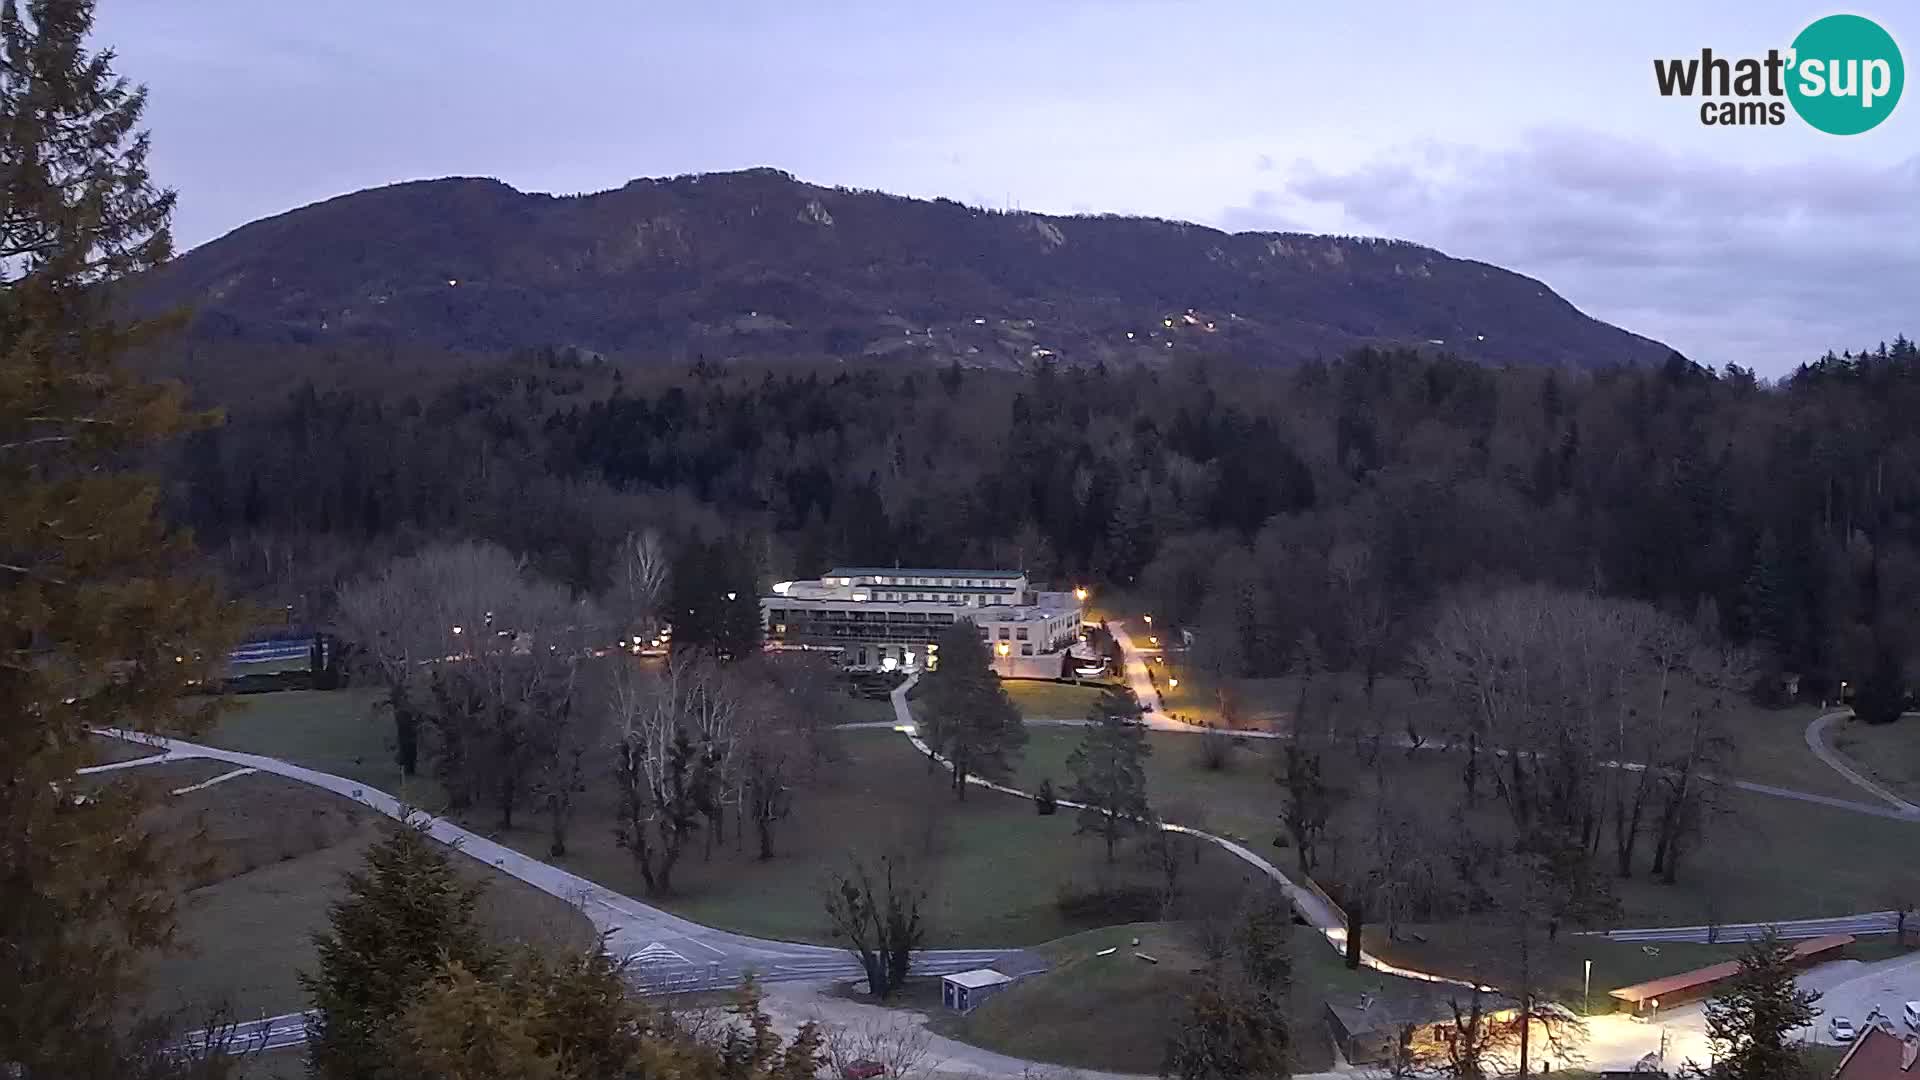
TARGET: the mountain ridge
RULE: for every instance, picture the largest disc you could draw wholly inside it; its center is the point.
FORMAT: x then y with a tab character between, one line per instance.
756	264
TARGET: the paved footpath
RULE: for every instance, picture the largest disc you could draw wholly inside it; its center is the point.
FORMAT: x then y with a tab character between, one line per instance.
1817	742
667	952
1312	905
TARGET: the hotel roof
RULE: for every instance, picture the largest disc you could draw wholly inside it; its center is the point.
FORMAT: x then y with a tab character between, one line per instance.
916	571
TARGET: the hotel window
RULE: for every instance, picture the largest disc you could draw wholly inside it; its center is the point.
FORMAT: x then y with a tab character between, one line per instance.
1003	633
1026	650
1021	633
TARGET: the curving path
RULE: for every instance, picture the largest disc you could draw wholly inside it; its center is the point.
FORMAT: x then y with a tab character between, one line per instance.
667	952
1312	905
1817	742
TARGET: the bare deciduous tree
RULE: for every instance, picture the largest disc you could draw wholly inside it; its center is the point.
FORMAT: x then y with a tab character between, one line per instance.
877	915
678	734
480	655
901	1047
641	573
1570	704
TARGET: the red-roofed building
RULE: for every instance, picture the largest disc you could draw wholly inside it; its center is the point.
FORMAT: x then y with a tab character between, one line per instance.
1878	1055
1693	985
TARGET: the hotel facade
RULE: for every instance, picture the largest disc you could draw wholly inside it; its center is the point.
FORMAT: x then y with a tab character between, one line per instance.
888	617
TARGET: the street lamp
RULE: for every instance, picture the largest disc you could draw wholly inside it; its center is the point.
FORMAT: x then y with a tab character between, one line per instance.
1003	648
1586	993
1149	619
1173	684
456	630
1080	594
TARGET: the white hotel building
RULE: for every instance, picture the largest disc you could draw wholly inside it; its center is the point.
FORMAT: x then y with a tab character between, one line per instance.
879	617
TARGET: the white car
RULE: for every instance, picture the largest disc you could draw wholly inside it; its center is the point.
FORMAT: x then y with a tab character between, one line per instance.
1912	1012
1841	1029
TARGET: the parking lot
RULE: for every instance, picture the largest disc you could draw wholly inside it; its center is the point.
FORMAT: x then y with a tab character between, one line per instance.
1855	990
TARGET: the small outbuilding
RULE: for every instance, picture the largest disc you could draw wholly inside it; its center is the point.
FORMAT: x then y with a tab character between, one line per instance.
963	992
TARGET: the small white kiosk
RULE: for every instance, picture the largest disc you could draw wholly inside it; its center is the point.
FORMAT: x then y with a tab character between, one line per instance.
966	990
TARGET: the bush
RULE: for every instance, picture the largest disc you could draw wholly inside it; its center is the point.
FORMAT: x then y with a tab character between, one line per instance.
1106	904
1215	749
1044	800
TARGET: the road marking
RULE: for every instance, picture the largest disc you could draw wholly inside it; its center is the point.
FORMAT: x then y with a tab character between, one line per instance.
657	953
204	784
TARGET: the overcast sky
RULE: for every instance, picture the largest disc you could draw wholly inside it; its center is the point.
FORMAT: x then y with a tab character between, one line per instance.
1526	134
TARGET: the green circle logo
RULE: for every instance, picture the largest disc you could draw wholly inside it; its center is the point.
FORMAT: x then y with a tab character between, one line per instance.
1846	74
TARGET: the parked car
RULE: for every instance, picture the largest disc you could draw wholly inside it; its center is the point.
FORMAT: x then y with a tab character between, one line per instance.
1912	1011
1841	1029
862	1070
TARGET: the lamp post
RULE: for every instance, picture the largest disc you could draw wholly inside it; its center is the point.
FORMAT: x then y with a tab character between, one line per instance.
1586	993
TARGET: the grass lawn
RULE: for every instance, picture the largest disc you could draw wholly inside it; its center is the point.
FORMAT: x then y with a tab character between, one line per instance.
1115	1012
1040	700
344	732
862	710
1836	857
1559	965
1771	743
1242	799
995	870
289	1063
279	851
993	867
1890	753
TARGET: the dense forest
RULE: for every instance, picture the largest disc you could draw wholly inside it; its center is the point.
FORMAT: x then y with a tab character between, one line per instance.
1337	497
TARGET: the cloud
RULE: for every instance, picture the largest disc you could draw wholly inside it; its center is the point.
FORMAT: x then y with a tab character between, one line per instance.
1759	265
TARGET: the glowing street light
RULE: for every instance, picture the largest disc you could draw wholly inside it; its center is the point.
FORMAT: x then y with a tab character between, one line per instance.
1173	684
456	630
1003	648
1149	619
1080	594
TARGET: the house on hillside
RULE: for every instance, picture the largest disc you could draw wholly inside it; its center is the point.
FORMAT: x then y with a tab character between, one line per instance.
1368	1028
1879	1055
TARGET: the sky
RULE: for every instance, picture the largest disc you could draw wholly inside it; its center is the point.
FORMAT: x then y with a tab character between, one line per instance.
1525	134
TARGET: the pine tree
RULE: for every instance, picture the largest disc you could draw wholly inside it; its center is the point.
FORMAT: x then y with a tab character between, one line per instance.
99	624
969	720
1236	1023
1749	1021
406	915
1109	770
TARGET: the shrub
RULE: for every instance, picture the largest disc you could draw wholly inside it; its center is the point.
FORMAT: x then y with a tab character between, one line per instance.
1215	749
1044	800
1108	903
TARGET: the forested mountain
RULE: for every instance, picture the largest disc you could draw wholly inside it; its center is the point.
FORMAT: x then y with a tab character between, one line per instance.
756	265
1259	503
